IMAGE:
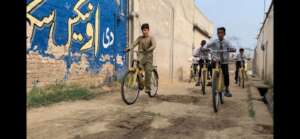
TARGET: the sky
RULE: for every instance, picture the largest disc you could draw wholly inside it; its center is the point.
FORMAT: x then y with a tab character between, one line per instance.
241	18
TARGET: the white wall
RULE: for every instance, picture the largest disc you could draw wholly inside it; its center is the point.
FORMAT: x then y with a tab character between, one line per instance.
159	14
265	59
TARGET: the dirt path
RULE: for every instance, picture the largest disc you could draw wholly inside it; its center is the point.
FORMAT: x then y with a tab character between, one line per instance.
180	111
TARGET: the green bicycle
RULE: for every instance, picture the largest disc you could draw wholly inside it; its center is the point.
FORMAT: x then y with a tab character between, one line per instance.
133	83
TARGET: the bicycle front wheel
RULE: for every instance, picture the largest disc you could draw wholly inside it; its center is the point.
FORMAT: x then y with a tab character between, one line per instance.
154	84
130	88
215	94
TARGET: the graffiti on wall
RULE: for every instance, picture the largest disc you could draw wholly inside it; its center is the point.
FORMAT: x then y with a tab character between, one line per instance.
71	29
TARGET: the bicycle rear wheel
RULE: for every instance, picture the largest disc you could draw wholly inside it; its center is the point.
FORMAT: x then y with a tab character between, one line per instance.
130	88
192	76
243	79
154	84
239	78
204	78
215	94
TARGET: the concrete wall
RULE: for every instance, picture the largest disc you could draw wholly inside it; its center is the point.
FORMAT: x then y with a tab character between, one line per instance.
264	58
171	23
75	41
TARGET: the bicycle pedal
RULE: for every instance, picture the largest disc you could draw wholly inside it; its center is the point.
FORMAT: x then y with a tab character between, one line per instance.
148	92
141	88
131	69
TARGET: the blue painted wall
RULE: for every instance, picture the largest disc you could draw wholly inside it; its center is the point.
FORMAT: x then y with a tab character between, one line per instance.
111	34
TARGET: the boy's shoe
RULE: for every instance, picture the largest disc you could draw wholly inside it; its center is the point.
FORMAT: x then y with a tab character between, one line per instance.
228	94
141	87
208	83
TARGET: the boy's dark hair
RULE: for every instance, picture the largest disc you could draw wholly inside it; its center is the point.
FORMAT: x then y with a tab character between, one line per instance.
221	28
203	42
241	49
145	25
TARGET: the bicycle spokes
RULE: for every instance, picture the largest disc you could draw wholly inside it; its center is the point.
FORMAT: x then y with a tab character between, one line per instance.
131	81
130	88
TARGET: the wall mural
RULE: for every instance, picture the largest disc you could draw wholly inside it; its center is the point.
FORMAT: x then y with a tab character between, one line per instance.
70	29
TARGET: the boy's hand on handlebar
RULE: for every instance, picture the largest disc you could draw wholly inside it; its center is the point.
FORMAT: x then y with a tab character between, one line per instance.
231	49
127	49
207	49
204	49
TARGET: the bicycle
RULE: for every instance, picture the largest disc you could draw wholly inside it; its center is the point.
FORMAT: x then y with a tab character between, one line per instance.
133	82
242	76
194	70
203	79
217	81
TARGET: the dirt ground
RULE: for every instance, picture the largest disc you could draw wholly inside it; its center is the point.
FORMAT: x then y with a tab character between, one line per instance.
180	111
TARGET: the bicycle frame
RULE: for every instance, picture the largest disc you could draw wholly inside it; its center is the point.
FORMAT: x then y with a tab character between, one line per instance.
204	69
220	82
218	70
243	70
194	71
137	71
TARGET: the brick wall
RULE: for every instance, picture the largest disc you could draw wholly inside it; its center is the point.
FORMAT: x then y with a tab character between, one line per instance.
78	42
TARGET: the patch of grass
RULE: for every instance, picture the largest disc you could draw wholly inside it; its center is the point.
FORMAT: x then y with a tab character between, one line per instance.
56	93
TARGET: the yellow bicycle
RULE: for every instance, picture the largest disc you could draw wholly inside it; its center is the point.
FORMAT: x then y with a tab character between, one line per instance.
242	76
194	71
218	86
204	73
133	82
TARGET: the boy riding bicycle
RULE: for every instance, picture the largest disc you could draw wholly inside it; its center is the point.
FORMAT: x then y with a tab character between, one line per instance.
146	45
240	58
195	62
203	55
222	44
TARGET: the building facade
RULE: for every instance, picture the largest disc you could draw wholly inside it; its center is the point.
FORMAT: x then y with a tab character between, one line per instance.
83	41
177	25
264	51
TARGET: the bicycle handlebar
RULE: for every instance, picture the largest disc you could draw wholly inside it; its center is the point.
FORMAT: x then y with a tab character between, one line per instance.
219	51
135	51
